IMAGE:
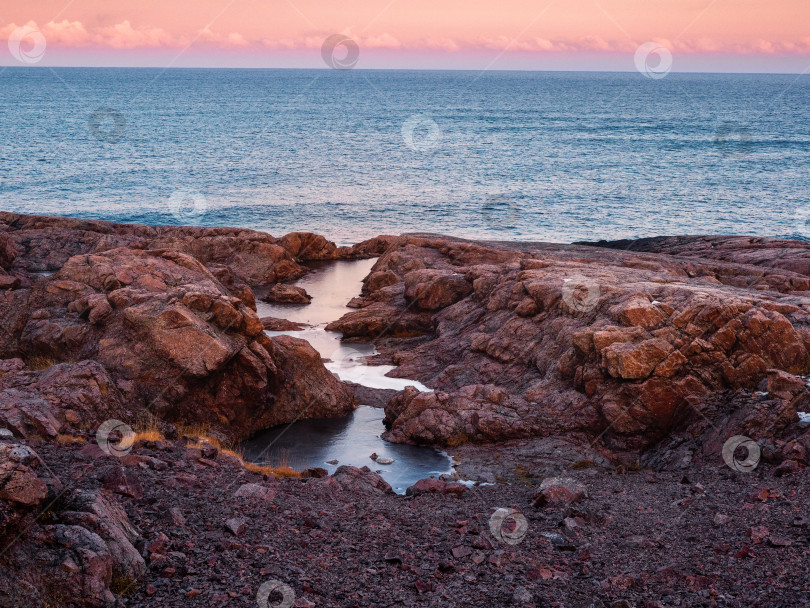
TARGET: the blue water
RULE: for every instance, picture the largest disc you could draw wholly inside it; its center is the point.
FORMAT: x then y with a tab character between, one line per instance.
506	155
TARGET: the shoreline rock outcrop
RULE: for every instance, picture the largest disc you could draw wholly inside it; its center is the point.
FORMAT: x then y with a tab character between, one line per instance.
539	340
169	335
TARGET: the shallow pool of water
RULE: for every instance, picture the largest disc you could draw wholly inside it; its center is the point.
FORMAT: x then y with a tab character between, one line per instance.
348	440
331	286
353	438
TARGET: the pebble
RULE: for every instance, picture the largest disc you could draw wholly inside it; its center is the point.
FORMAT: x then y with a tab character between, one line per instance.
235	526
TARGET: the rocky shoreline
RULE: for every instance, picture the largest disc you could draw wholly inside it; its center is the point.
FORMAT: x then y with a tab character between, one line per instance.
597	386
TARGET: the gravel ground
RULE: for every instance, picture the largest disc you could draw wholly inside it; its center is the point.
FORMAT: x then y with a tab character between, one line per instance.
711	537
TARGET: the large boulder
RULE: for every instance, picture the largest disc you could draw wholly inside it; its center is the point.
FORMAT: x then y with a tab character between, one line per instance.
173	340
304	387
305	246
287	294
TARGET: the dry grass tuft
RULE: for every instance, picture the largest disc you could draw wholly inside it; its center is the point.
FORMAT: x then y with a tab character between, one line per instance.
278	472
194	430
40	362
63	439
148	436
147	429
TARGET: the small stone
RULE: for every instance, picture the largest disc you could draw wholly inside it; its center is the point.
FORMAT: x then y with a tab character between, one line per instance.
122	481
255	491
209	451
559	491
332	461
235	526
461	551
721	520
72	417
383	460
176	517
5	435
758	534
559	541
539	574
157	560
159	544
287	294
522	596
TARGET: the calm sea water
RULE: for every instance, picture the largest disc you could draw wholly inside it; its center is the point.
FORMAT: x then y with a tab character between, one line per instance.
351	154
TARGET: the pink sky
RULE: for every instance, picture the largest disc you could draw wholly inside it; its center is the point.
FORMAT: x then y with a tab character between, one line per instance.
702	35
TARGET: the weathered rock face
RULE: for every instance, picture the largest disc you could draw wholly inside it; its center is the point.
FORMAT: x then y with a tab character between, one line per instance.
560	340
303	387
8	251
305	246
72	560
740	261
172	339
65	397
46	243
435	289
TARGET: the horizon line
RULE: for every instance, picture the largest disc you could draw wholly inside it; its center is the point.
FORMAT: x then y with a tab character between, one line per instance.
3	67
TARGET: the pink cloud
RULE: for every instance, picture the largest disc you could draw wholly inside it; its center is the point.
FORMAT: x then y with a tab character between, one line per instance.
124	36
232	40
383	41
67	33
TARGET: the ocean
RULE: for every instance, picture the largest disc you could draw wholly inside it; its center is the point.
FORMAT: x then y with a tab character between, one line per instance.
550	156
